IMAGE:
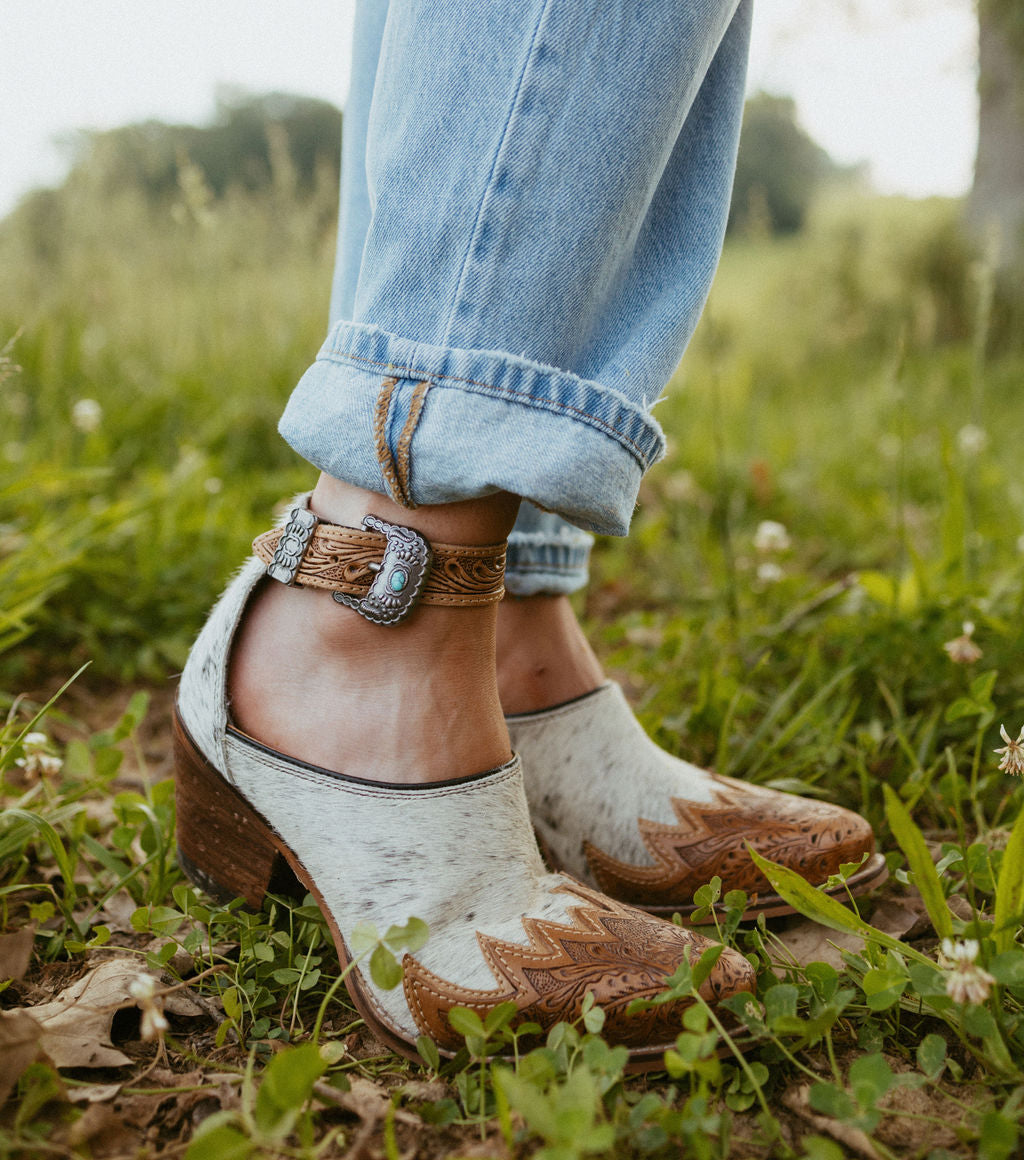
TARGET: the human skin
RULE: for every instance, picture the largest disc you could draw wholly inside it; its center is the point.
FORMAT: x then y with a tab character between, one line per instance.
407	703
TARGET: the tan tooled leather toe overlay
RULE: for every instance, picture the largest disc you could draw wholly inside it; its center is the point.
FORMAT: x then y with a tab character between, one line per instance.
615	952
814	838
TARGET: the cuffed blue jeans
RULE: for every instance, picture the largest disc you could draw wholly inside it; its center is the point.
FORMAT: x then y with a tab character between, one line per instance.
534	195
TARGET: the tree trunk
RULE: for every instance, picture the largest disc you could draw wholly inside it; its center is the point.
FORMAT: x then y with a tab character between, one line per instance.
995	208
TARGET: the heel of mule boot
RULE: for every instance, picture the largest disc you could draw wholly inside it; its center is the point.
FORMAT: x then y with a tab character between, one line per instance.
224	846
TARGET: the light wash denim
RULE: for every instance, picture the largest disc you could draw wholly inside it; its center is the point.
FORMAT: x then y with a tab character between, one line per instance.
534	195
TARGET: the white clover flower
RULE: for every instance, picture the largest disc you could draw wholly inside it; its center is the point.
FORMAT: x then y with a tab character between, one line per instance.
154	1023
971	985
961	649
142	988
958	953
37	762
769	572
967	982
971	439
14	452
771	536
213	485
87	415
1011	755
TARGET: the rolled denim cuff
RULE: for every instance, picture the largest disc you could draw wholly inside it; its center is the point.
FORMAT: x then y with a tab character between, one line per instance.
546	555
431	425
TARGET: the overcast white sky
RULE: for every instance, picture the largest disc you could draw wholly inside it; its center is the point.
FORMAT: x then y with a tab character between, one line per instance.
887	81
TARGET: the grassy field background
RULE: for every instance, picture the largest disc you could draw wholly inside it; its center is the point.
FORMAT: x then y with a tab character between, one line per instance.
851	383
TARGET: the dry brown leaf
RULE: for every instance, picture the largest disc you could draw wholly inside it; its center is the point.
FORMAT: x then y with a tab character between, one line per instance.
364	1098
856	1143
430	1091
75	1027
106	1132
19	1046
16	952
76	1024
904	917
809	942
117	913
182	1003
92	1093
962	908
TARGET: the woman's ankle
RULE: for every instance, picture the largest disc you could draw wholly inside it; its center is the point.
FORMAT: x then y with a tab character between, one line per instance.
411	702
487	520
543	657
408	702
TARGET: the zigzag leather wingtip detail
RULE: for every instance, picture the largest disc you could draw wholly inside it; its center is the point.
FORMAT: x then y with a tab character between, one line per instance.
813	838
549	977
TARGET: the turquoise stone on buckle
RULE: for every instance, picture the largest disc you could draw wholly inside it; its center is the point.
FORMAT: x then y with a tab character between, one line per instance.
400	575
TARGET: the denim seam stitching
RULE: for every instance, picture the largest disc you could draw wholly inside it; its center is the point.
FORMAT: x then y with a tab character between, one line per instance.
488	186
385	461
528	400
404	457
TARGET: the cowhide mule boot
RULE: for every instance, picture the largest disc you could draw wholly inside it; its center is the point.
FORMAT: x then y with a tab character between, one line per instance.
461	854
646	828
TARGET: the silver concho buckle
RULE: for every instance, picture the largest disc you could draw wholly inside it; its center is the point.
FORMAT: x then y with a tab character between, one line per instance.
400	575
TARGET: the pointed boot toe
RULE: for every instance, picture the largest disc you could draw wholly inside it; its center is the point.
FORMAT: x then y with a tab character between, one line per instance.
648	829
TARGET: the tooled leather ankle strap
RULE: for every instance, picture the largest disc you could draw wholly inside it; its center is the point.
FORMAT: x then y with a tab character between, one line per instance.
382	570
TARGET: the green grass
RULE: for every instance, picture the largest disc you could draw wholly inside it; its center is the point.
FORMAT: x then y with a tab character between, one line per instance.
844	383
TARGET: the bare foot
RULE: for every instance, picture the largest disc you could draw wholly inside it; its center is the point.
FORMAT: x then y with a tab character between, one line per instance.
411	702
543	656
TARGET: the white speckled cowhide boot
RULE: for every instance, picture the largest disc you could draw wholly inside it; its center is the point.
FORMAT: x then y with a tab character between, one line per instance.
646	828
461	855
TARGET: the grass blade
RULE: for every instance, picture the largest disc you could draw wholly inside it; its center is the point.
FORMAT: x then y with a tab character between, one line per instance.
1010	887
819	907
912	844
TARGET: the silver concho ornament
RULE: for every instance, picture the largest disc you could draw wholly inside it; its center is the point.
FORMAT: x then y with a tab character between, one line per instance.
291	547
400	575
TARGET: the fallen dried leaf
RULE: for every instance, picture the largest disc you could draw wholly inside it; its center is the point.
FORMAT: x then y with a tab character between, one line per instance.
182	1003
797	1099
92	1093
102	1127
75	1027
904	917
430	1091
364	1098
809	942
16	952
19	1046
117	913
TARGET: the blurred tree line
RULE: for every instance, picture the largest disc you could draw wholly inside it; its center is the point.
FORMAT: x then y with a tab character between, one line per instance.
288	147
255	141
240	148
779	169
